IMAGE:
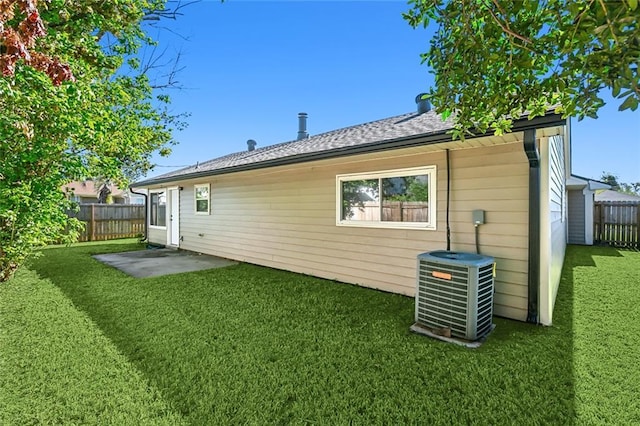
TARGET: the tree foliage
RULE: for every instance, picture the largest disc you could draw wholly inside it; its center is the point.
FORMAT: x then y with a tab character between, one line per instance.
497	59
18	41
93	121
632	188
356	193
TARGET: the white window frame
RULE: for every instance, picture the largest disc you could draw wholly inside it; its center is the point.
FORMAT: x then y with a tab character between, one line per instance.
430	171
158	191
195	200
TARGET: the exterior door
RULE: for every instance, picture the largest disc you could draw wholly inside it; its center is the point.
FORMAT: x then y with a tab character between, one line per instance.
174	217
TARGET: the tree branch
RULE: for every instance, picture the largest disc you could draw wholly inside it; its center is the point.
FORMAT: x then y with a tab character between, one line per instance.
173	13
609	24
505	27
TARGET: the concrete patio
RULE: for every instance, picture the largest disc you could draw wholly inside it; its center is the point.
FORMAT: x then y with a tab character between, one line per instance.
161	261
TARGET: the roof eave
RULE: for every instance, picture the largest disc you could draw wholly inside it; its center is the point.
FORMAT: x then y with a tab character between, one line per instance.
548	120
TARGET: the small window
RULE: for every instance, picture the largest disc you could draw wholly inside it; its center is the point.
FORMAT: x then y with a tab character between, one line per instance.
203	198
388	199
158	209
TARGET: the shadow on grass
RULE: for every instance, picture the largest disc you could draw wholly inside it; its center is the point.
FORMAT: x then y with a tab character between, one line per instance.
254	345
579	255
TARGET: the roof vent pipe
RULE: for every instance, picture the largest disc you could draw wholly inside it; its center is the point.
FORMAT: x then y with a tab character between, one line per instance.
422	101
302	126
251	145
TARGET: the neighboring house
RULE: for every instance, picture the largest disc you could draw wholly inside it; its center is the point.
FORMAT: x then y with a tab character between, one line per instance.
293	205
609	195
581	192
87	191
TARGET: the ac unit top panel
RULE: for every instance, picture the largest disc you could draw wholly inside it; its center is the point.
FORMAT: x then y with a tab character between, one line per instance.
456	258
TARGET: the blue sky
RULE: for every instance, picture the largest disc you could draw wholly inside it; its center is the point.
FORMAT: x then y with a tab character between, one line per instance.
251	66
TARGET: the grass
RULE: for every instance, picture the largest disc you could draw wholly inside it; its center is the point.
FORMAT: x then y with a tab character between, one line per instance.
606	334
83	343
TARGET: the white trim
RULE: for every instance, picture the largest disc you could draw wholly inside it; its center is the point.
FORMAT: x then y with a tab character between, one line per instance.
195	199
170	218
588	195
158	191
430	171
545	254
553	240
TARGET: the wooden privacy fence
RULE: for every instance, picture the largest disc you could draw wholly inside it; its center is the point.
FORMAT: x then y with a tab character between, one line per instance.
110	221
392	211
617	223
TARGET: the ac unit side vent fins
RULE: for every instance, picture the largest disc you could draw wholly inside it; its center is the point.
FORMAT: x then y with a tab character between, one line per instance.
455	290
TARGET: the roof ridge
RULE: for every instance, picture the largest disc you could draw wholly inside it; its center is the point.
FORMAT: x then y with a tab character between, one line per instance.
386	133
293	141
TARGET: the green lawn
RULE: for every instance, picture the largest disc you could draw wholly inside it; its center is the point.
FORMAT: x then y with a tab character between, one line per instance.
83	343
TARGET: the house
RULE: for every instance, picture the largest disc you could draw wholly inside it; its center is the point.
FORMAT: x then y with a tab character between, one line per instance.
609	195
293	205
581	192
87	192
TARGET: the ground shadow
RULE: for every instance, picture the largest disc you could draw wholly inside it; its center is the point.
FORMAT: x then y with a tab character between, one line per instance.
305	348
579	255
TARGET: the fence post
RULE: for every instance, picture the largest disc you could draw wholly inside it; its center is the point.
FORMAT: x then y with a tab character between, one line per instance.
92	223
602	224
597	223
638	226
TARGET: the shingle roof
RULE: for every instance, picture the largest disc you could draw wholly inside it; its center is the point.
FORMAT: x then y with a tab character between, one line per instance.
609	195
88	188
375	135
397	127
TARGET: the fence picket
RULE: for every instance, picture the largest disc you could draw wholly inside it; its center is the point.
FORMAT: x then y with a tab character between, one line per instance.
617	223
110	221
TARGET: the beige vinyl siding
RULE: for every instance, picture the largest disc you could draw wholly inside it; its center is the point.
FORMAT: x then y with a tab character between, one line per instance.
157	235
553	229
284	217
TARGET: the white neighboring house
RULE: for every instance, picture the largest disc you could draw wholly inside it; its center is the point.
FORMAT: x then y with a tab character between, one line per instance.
283	206
582	193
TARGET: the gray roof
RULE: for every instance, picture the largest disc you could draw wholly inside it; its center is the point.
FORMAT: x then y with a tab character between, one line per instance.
389	133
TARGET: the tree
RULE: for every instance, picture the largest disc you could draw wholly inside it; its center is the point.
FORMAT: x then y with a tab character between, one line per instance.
55	127
610	179
632	188
494	60
18	41
104	193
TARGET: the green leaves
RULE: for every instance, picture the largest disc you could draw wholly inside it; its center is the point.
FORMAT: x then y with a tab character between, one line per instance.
107	124
495	61
630	103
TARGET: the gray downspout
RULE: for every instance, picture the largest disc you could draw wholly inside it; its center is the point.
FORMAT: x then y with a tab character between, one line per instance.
146	208
533	154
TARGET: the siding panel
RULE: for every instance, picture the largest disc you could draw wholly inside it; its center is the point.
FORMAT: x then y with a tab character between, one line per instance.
157	236
284	217
553	232
576	217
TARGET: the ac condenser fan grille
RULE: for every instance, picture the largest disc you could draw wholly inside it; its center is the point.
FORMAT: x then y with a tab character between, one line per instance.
455	295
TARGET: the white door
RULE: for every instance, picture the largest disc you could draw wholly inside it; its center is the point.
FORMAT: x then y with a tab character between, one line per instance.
174	218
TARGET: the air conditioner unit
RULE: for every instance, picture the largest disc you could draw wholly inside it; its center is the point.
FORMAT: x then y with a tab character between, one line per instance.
455	293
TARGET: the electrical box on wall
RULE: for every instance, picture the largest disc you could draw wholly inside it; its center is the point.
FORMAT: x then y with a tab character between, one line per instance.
478	217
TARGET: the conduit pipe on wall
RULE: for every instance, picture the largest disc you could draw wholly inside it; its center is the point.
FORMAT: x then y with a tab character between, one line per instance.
448	198
146	209
533	155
